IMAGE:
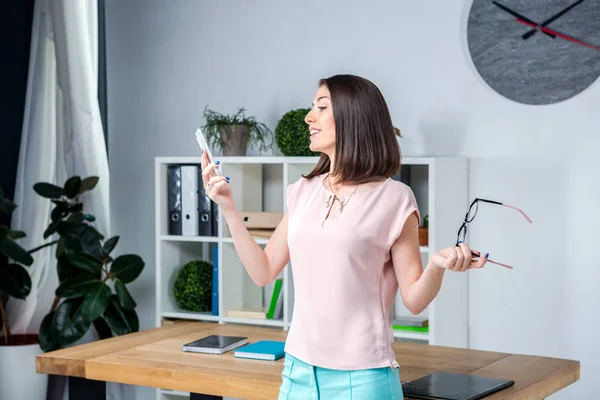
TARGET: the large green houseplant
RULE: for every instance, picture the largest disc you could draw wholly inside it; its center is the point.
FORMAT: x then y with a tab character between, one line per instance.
14	278
17	351
233	134
87	272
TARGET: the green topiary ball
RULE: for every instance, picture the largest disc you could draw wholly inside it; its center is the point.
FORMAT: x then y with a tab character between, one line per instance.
291	134
193	286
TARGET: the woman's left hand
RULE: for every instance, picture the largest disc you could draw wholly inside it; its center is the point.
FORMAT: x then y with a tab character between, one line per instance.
457	258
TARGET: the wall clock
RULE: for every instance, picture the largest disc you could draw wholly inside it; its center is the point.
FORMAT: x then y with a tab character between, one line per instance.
535	51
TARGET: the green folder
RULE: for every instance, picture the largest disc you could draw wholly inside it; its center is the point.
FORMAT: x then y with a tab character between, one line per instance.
273	305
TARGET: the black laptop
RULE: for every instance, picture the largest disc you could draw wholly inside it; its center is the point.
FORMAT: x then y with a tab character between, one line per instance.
450	386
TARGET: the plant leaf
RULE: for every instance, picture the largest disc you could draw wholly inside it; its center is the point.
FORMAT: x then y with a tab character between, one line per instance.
110	245
46	335
78	286
95	231
68	322
102	328
60	248
59	212
48	190
75	218
97	300
121	321
14	251
88	184
85	261
7	206
127	267
66	270
77	207
16	234
72	186
55	226
15	281
125	299
83	237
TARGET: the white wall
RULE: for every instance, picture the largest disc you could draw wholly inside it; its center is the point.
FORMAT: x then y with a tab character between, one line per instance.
167	60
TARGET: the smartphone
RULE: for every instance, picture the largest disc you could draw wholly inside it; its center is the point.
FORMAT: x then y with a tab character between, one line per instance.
204	147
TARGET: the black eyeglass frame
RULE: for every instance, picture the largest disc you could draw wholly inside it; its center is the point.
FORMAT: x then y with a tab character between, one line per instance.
467	220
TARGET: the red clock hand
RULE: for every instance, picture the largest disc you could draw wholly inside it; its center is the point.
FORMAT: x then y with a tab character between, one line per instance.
561	35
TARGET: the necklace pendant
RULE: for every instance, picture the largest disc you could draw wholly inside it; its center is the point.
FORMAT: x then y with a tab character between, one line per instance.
328	204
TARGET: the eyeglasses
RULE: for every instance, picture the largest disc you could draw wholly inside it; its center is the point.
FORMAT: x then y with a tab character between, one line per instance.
471	213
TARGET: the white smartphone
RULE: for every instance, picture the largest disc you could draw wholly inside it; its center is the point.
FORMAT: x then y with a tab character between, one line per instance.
204	147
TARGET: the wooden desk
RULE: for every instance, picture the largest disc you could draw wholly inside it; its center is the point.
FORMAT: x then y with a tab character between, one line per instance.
154	358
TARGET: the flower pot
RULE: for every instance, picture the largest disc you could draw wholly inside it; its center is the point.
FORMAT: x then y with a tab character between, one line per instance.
423	236
18	379
235	140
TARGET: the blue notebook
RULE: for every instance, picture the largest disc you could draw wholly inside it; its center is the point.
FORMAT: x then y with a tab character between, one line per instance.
262	350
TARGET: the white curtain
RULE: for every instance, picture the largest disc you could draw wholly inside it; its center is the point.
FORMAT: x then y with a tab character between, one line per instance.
62	136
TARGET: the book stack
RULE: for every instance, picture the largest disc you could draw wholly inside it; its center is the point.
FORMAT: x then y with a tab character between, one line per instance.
413	323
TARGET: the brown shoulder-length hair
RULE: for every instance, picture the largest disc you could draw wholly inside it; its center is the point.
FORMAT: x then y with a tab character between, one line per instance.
366	146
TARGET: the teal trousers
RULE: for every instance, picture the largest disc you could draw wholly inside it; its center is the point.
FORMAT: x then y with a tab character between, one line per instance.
302	381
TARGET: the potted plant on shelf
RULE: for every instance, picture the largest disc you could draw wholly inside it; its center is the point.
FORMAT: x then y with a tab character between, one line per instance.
424	232
192	288
18	379
291	134
233	134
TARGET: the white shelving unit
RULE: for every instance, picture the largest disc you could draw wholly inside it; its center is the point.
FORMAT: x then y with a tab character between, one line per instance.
259	184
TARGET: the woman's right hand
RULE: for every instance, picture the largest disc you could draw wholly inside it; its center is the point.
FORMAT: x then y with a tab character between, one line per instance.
217	187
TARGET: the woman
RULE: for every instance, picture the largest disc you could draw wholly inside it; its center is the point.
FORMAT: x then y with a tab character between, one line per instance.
350	233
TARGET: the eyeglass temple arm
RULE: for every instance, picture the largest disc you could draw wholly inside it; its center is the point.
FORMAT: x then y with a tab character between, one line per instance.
477	255
503	204
519	210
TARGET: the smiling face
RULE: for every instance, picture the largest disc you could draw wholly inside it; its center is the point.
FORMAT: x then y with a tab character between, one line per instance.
321	123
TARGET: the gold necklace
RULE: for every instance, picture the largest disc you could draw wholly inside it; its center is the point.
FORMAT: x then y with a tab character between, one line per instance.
343	200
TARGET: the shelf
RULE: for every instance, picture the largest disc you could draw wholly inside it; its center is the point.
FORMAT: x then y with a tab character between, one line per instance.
200	239
258	240
411	335
177	393
207	239
241	160
214	239
260	185
253	321
276	160
196	316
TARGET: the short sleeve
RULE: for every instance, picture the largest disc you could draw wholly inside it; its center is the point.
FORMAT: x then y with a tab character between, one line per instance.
403	206
291	195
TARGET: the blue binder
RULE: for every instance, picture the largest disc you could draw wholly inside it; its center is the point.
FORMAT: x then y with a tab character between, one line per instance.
215	282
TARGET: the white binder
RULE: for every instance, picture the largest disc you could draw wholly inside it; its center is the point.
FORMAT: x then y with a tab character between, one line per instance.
189	200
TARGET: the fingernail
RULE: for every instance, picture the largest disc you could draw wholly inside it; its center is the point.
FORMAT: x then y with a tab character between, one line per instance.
460	241
487	255
227	177
218	162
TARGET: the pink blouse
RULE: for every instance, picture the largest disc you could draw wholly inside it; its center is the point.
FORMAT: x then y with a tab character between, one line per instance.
344	280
